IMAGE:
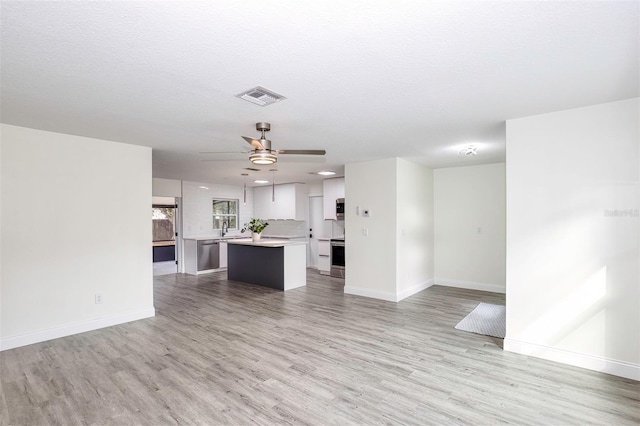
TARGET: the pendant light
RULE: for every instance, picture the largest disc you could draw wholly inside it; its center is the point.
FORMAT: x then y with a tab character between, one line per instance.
244	188
273	185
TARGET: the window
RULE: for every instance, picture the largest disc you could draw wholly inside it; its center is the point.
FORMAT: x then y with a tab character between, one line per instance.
225	211
164	222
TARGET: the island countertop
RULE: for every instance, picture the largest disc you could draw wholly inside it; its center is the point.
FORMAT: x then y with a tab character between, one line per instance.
267	243
217	238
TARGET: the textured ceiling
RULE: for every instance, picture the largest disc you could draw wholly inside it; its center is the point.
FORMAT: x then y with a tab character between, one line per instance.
363	79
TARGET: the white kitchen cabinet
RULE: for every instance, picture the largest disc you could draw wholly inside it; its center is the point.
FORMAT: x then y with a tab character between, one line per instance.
324	256
223	254
332	189
290	202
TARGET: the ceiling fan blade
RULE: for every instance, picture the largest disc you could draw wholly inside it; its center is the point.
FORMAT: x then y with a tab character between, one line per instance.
302	151
254	142
226	159
224	152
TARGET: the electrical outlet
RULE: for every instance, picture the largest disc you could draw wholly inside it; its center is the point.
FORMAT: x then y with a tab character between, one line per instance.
98	298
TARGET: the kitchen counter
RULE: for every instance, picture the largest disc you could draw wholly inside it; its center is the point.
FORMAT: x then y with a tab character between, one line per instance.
278	264
246	236
267	242
284	237
340	237
163	243
217	237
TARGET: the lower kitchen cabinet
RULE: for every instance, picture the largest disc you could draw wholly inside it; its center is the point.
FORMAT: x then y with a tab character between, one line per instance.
223	254
163	252
324	256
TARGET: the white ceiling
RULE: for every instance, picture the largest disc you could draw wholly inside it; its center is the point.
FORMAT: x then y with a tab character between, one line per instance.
363	79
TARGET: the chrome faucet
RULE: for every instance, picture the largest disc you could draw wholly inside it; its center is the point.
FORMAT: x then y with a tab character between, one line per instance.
225	229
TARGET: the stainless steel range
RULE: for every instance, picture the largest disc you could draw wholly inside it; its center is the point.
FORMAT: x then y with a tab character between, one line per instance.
337	258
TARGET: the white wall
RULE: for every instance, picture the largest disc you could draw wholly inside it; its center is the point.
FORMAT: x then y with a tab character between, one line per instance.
470	227
415	243
197	219
573	237
167	201
167	187
62	244
371	260
397	193
1	174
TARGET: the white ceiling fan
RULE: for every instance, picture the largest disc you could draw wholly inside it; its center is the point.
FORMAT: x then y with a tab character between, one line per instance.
263	154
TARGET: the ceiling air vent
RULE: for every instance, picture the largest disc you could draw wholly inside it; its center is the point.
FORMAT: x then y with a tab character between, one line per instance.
260	96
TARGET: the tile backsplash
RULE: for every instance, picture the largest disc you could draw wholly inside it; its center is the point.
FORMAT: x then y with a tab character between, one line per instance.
288	228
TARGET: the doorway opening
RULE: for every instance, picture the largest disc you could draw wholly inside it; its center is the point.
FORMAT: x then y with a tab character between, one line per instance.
164	220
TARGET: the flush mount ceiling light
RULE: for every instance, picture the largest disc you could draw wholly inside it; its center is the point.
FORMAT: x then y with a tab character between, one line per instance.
469	150
260	181
326	172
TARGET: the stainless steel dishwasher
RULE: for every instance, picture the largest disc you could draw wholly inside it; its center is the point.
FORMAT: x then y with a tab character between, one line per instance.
208	255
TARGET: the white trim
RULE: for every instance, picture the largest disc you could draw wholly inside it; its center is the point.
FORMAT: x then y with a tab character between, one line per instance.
387	295
74	328
591	362
367	292
471	285
413	290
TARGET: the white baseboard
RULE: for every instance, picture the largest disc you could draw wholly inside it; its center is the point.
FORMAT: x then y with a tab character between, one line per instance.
367	292
74	328
577	359
413	290
471	285
387	295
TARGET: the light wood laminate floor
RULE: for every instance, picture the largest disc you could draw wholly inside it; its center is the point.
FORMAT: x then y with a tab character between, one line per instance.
221	352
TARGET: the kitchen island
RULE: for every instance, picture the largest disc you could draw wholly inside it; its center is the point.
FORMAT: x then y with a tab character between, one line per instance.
279	264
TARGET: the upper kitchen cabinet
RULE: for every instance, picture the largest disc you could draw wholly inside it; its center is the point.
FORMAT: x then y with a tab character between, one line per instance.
332	189
290	202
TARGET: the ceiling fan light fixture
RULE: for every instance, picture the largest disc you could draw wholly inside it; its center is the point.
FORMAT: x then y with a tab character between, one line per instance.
263	158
